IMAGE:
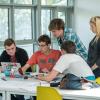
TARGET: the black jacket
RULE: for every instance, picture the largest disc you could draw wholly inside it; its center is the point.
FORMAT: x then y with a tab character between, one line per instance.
21	57
94	55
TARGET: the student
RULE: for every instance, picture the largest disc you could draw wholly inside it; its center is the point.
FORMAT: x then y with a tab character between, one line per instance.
45	58
69	64
14	54
94	46
59	31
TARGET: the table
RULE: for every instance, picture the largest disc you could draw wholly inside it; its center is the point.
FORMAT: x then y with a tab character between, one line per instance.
4	96
19	86
28	87
90	94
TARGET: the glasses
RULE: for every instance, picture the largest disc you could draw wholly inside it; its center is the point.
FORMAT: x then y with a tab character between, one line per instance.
42	45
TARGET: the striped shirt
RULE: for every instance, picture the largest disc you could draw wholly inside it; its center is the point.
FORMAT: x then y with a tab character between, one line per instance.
80	48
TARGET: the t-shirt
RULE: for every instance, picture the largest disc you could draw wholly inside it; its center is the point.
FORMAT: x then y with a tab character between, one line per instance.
44	61
73	64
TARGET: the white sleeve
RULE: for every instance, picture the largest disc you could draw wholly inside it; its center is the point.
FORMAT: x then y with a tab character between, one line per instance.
62	64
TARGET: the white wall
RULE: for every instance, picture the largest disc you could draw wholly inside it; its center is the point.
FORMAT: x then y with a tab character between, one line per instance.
84	10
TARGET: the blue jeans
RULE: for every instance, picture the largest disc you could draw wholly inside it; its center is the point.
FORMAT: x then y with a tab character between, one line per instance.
70	81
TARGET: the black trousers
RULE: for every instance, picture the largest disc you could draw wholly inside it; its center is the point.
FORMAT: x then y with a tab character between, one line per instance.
34	97
17	97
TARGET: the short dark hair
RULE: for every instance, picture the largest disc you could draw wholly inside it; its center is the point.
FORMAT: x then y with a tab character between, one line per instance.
56	23
68	46
44	38
9	42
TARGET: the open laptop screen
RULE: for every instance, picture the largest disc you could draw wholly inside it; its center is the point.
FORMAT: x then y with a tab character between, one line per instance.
9	65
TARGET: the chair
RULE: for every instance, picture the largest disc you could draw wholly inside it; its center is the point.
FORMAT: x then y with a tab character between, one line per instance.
98	80
47	93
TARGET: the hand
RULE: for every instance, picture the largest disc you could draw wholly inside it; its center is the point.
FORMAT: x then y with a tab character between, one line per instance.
84	81
94	67
1	70
20	71
41	77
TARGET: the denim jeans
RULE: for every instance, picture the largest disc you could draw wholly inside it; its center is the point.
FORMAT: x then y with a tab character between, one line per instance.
70	81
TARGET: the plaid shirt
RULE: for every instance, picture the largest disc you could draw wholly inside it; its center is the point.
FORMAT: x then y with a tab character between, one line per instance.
80	48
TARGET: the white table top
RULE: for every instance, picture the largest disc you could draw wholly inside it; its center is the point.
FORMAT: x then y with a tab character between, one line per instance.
91	94
21	84
29	86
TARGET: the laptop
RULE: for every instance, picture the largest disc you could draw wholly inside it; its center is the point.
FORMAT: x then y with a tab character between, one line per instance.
8	66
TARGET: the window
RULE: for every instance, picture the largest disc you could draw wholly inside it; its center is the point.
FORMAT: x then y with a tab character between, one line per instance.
45	20
23	1
36	47
54	2
61	15
4	1
26	20
22	24
1	50
28	48
3	24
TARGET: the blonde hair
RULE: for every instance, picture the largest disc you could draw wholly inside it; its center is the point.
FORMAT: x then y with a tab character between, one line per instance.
96	21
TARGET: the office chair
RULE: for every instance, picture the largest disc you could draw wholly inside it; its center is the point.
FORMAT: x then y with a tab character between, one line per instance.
47	93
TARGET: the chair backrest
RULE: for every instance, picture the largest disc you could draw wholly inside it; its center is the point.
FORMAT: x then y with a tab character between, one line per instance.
97	80
47	93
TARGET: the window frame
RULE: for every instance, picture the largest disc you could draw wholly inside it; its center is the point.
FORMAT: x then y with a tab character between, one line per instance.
35	20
